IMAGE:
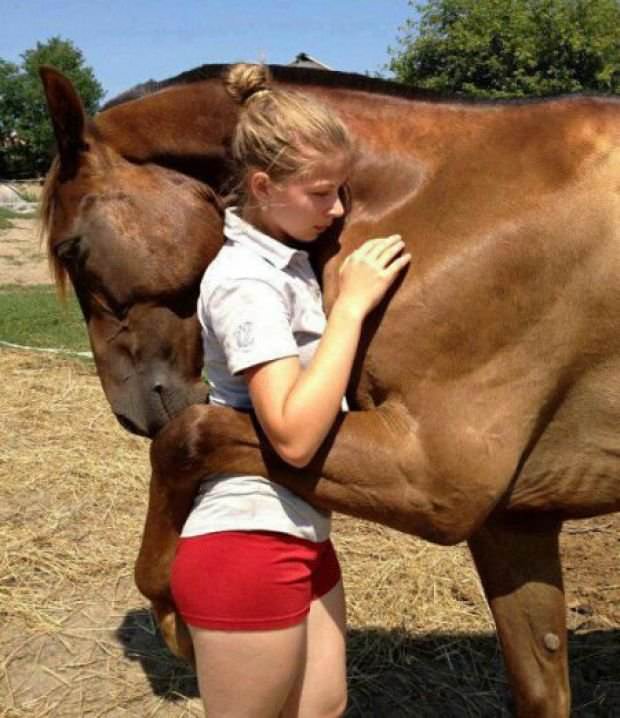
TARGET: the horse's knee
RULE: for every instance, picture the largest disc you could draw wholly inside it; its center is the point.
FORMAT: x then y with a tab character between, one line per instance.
543	700
547	693
151	580
174	631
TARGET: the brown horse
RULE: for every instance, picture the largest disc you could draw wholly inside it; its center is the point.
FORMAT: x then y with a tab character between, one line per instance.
487	388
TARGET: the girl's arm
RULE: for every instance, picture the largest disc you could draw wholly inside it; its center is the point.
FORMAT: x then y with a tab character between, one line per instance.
297	407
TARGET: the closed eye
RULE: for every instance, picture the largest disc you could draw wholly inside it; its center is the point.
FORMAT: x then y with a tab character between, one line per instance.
68	250
118	311
326	190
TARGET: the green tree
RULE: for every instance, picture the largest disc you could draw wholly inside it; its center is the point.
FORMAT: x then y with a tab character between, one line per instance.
26	135
511	48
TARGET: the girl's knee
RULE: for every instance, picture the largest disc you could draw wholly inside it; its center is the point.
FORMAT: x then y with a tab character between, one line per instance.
338	707
333	705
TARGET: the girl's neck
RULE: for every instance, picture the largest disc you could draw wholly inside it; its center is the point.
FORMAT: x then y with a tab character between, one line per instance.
253	215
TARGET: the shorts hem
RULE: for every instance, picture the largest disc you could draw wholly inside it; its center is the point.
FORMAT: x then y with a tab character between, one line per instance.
232	624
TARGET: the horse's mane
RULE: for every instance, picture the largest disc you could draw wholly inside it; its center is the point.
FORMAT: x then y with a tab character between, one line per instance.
294	74
291	74
133	93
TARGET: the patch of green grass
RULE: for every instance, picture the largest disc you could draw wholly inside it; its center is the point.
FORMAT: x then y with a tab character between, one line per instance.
33	316
6	215
5	221
29	195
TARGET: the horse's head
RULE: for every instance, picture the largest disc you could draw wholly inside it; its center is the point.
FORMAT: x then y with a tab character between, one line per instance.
134	239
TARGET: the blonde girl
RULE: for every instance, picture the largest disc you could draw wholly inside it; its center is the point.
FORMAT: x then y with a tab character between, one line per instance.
255	576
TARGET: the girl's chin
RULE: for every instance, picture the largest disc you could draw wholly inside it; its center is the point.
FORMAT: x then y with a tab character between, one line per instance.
299	240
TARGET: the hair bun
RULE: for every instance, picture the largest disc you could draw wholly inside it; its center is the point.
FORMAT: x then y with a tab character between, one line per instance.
245	80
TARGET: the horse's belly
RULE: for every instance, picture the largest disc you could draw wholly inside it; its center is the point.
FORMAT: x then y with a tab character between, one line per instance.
574	467
571	486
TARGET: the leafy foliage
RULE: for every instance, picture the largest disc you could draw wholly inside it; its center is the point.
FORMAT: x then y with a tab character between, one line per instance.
26	135
511	48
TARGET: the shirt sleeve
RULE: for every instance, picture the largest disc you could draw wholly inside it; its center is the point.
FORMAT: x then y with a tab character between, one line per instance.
250	320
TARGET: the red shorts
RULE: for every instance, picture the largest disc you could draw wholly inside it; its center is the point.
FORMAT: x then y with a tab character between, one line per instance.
250	580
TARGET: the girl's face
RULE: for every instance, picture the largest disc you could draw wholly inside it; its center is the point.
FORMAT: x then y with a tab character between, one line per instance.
302	207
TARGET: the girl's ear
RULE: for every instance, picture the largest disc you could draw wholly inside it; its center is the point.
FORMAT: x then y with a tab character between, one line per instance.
260	185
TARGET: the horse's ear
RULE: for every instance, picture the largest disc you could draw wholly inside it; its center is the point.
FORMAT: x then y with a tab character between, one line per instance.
67	114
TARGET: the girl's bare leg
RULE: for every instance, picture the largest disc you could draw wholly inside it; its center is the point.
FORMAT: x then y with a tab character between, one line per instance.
321	688
248	674
296	672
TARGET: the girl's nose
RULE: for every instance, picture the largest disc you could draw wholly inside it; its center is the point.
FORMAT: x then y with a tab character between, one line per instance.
337	209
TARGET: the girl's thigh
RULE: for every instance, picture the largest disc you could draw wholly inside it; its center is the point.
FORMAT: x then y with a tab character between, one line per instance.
321	689
266	614
248	674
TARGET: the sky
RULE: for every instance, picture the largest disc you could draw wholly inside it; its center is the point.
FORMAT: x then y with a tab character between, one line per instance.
127	42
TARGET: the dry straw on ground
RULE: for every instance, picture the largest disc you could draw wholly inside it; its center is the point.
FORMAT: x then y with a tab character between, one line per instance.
77	638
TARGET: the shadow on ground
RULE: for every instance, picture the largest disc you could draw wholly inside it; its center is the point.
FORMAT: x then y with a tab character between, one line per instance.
393	674
170	677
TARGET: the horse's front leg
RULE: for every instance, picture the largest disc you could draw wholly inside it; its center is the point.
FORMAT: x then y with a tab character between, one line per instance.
372	465
182	455
168	507
519	563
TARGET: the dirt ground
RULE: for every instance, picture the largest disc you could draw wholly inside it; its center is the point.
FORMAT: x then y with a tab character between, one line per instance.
77	639
22	258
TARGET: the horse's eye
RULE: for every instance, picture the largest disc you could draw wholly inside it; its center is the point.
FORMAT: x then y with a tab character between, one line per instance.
122	310
68	250
109	306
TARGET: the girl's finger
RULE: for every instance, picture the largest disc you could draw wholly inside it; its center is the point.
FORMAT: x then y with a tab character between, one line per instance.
373	247
394	268
393	248
388	254
385	244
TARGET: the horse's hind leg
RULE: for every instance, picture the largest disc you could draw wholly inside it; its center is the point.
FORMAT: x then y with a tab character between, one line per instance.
519	564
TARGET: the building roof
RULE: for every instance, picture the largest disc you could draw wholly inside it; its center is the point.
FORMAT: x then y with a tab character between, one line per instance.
305	60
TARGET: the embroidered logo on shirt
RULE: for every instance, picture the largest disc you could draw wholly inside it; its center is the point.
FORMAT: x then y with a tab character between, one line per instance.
244	335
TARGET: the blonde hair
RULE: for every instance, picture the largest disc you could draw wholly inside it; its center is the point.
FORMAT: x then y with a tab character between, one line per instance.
280	132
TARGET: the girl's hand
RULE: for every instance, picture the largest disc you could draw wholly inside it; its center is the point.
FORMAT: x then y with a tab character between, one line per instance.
367	274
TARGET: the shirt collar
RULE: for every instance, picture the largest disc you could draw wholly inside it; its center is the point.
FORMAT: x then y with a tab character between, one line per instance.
242	232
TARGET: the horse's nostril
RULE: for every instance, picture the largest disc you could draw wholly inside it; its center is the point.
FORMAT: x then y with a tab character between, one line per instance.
158	387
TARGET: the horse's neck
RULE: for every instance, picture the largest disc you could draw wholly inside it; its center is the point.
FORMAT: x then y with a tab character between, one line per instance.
197	119
187	127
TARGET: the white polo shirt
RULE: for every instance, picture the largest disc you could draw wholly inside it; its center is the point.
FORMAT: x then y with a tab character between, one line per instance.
259	301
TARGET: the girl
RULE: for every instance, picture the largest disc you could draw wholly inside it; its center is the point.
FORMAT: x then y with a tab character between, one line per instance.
255	576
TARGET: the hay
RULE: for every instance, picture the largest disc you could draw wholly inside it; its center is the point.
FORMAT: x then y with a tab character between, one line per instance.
77	638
